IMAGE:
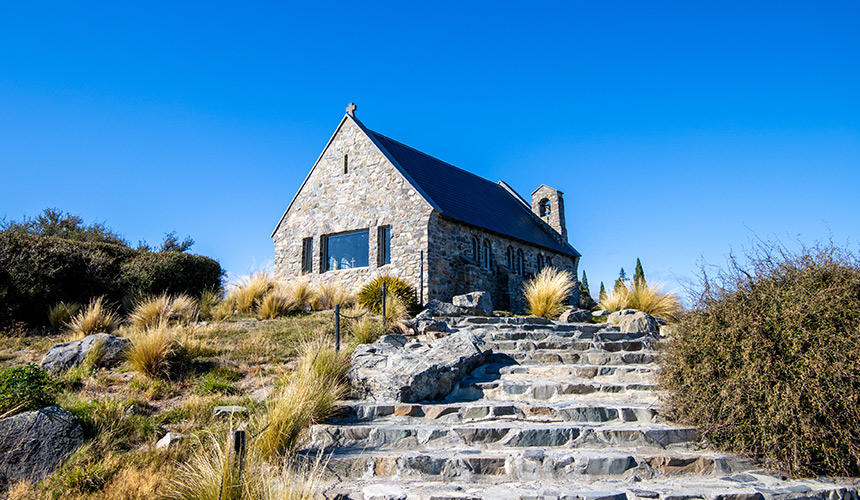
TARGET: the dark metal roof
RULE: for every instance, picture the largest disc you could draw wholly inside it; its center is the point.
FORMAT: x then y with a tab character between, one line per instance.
468	198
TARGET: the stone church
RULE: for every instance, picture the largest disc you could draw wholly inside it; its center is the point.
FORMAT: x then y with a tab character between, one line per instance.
374	206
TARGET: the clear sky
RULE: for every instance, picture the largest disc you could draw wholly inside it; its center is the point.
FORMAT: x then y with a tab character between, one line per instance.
677	131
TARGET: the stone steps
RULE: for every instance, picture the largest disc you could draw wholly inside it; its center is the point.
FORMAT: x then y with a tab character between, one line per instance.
528	464
741	486
566	344
495	434
542	390
596	411
596	357
602	335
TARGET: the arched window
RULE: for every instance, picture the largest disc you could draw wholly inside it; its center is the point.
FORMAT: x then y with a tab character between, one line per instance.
509	258
549	262
545	207
476	249
539	262
488	252
521	270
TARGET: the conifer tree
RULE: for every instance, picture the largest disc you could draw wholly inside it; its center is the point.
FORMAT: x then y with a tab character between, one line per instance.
586	301
602	296
639	274
619	283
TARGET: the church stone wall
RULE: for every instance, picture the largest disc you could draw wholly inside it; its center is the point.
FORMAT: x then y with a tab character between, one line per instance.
371	194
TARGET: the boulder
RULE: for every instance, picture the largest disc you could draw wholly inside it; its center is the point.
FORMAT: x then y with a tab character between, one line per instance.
33	444
438	309
574	315
431	326
68	354
391	370
169	440
475	303
600	313
634	321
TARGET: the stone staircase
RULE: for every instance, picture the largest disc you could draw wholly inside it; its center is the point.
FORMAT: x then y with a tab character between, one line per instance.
561	411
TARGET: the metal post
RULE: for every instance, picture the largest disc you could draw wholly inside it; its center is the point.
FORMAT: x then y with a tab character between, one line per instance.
337	327
421	280
384	292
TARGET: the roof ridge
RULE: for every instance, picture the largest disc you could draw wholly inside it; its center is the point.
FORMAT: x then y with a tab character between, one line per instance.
435	158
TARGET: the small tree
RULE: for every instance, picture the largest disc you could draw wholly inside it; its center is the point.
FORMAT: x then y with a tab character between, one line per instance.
172	244
639	274
602	296
620	282
585	299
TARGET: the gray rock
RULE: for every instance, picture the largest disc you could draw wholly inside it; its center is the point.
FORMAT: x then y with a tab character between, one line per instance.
424	326
33	444
600	313
475	303
170	439
68	354
438	309
633	321
228	411
574	315
388	370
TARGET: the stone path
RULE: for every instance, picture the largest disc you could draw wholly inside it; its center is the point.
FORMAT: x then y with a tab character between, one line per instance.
560	412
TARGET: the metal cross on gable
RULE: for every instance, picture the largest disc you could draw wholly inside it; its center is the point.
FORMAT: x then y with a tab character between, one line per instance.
350	109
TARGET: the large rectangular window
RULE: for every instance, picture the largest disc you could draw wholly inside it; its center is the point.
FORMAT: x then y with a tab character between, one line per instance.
345	250
307	255
383	242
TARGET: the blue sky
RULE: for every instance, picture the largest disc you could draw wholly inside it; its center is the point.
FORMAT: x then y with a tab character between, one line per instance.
677	131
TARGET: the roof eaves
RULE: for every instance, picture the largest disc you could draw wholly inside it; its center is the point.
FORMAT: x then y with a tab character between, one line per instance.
515	194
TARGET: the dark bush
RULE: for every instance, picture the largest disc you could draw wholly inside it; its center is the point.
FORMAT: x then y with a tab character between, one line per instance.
371	293
37	272
767	362
25	388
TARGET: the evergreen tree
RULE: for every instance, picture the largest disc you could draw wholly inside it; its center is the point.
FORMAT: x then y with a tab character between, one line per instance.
639	274
602	296
619	283
586	301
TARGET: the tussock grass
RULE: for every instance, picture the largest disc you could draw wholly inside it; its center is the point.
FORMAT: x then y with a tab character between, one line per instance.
548	292
156	352
306	396
61	313
395	310
96	317
209	300
163	309
328	295
250	291
275	304
644	297
767	361
365	329
369	295
300	294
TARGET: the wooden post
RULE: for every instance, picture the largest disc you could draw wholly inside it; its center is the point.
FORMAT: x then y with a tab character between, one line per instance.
337	327
236	462
384	292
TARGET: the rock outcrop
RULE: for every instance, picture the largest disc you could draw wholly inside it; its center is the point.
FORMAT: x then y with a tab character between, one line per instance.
395	369
68	354
438	309
574	315
33	444
474	303
634	321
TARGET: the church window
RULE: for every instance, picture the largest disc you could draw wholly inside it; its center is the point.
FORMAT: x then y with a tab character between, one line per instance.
307	255
545	207
509	258
520	263
346	164
345	250
383	241
549	262
476	252
539	262
488	252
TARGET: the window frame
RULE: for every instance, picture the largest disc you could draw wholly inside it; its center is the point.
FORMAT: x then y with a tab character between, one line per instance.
521	268
476	249
308	255
509	257
346	163
487	254
545	207
324	250
383	245
540	262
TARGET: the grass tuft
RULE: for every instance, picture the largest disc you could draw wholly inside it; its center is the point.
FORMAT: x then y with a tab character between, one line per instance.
97	317
157	352
61	314
328	295
644	297
275	304
250	291
548	292
164	310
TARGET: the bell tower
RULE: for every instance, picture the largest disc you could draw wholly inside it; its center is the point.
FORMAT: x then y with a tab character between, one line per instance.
548	204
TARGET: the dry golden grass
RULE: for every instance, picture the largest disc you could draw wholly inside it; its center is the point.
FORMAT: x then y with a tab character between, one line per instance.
151	351
247	294
548	292
97	317
395	310
150	312
274	304
328	295
222	310
644	297
60	314
300	293
365	329
307	396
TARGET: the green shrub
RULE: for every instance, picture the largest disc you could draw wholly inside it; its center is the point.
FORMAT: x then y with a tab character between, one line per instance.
25	388
39	270
767	362
370	294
